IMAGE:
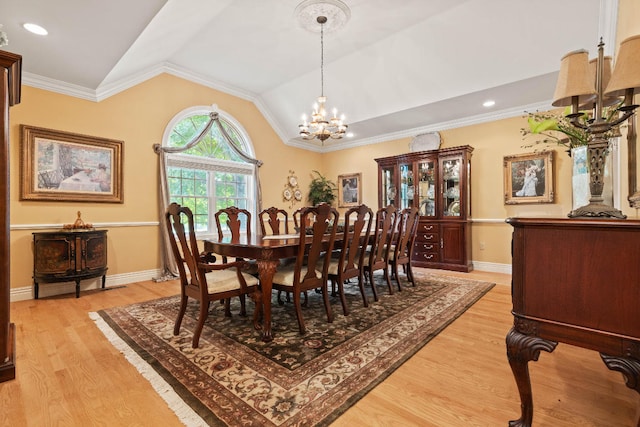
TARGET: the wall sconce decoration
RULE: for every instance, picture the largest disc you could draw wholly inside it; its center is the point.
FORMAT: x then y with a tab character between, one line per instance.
292	193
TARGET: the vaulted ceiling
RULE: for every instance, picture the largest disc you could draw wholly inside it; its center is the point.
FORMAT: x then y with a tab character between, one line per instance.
396	69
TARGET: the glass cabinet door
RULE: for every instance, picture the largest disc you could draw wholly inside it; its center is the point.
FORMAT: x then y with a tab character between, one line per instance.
450	176
389	187
407	190
426	191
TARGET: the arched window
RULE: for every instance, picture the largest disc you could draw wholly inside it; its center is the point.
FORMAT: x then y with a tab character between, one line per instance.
210	175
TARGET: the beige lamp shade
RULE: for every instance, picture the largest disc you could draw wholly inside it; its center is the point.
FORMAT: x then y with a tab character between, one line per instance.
574	80
606	70
606	76
626	74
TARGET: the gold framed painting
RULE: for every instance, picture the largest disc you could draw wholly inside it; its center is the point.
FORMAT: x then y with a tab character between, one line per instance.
69	167
349	190
528	178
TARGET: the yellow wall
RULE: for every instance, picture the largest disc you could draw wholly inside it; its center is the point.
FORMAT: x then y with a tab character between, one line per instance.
139	115
491	142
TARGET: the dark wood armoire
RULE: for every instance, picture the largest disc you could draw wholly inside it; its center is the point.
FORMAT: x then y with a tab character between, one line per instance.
11	65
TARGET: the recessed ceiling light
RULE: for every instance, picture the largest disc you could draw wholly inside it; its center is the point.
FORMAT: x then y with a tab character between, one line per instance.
35	29
349	134
489	103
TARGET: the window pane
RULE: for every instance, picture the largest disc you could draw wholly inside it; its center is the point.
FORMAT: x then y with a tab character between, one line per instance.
175	185
242	189
202	206
201	188
188	188
201	223
190	202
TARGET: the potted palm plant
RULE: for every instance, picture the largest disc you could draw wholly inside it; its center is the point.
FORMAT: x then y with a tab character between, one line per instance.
321	189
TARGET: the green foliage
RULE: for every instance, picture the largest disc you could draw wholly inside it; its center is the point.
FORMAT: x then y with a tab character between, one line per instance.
557	129
212	145
321	190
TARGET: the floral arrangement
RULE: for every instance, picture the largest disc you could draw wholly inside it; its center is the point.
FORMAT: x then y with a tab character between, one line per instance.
557	128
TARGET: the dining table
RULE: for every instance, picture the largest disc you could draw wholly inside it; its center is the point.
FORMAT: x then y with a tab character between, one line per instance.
267	250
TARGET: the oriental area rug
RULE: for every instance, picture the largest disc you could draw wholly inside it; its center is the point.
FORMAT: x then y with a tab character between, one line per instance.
235	379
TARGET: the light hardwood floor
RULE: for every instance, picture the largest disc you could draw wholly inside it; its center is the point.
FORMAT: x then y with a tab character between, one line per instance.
69	375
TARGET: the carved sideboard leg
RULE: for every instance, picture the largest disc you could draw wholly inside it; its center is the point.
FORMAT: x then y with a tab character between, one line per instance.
521	349
630	369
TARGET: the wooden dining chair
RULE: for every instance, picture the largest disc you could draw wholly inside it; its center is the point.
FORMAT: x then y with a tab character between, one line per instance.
402	251
296	219
356	231
378	253
311	267
234	219
237	221
277	220
203	279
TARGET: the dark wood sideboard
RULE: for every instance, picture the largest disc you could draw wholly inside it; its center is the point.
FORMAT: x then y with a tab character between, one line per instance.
576	282
66	256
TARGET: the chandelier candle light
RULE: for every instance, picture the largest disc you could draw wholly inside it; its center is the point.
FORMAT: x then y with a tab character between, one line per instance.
320	126
575	87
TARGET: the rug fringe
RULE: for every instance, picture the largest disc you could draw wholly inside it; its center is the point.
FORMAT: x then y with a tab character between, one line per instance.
183	411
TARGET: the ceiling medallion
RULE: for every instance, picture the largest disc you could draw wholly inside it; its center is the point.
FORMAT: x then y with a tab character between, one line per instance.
336	12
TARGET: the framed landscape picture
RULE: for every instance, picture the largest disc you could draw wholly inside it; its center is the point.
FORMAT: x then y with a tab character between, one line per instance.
528	178
64	166
349	190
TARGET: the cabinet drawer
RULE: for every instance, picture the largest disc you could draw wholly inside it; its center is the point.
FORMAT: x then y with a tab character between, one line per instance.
424	227
427	237
426	256
423	247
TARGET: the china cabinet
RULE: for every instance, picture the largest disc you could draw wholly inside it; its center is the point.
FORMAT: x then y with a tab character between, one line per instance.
437	182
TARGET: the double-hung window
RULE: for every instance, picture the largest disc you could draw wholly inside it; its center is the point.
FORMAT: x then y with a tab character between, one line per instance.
210	175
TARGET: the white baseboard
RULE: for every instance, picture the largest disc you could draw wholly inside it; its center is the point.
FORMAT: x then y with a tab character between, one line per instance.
492	267
51	289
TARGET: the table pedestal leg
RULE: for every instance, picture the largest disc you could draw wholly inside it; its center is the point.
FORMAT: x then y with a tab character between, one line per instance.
266	270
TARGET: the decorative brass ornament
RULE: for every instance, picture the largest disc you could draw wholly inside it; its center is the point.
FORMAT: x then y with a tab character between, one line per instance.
291	192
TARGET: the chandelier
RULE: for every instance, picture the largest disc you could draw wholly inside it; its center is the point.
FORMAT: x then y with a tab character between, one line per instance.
575	87
321	126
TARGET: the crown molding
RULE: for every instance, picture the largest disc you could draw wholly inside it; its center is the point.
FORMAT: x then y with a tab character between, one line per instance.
58	86
437	127
106	91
